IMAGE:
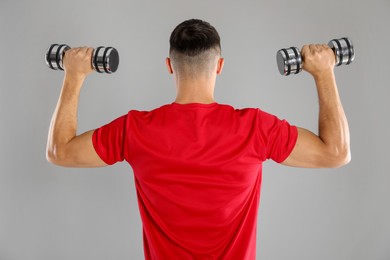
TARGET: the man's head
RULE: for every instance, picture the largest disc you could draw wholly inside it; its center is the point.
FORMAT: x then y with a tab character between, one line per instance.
195	50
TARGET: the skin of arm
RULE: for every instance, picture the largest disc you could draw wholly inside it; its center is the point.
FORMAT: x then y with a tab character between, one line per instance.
64	147
331	147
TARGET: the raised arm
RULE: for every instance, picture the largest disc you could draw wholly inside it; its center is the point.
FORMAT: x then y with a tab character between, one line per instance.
64	147
330	148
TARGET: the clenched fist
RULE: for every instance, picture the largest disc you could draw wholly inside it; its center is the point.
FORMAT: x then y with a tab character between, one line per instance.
77	61
318	58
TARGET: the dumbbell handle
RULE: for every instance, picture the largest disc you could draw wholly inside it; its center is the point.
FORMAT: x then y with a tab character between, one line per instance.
290	60
104	59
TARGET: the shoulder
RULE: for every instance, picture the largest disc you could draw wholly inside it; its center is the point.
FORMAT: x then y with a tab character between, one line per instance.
249	112
146	116
259	117
237	110
140	113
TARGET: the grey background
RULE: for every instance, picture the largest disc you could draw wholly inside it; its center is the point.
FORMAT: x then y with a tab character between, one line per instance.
48	212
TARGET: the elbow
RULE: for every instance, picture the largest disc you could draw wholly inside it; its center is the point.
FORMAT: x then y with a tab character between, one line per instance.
51	157
342	161
339	158
347	158
56	155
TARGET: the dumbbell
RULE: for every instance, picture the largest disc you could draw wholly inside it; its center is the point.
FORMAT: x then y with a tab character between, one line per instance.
104	59
290	60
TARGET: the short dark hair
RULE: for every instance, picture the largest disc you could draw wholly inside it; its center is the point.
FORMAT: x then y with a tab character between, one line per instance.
194	47
193	37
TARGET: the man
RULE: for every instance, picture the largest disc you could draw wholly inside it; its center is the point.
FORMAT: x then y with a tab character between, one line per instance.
197	164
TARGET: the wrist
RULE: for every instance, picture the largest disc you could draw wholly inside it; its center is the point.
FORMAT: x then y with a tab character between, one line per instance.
74	80
324	75
74	76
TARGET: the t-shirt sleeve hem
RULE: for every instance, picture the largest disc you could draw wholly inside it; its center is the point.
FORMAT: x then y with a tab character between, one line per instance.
294	138
97	149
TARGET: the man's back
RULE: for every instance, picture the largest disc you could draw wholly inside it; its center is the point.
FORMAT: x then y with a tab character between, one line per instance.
198	165
198	173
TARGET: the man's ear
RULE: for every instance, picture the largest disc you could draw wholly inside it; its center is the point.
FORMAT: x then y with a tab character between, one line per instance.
169	65
220	64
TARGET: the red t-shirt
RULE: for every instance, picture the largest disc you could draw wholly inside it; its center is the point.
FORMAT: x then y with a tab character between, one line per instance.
197	172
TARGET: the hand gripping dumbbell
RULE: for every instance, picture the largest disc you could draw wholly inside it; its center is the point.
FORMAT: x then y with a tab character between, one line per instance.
104	59
290	60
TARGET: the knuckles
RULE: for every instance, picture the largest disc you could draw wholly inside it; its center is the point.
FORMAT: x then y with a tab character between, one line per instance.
78	60
317	57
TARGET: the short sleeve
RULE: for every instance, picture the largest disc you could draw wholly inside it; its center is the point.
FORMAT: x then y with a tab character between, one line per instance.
108	140
280	136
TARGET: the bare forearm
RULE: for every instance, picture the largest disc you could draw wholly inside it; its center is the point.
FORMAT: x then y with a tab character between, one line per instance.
63	126
333	125
330	148
64	147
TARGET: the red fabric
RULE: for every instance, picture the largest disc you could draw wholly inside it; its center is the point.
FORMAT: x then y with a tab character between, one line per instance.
197	172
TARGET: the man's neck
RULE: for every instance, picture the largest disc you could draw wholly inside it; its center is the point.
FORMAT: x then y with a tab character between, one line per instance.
200	91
